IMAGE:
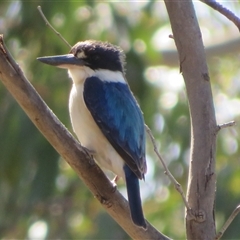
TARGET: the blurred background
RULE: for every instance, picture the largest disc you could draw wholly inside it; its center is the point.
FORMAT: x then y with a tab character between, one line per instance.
40	195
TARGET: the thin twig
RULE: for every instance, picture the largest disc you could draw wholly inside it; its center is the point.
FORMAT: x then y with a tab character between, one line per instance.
224	11
167	172
226	125
49	25
228	222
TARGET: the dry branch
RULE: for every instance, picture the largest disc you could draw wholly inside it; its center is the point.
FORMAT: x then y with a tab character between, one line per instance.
77	156
176	184
52	28
202	178
169	57
224	11
226	125
235	212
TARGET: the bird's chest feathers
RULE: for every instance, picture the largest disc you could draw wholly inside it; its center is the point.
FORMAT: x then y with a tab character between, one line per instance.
90	135
79	74
82	121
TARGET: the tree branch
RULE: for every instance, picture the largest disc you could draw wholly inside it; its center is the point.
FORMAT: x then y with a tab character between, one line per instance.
76	155
176	184
201	180
224	11
53	29
169	57
235	212
226	125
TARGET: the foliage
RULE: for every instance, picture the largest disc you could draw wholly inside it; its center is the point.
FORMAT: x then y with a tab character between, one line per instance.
38	190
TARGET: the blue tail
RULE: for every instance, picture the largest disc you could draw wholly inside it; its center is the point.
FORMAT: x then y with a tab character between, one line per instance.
134	197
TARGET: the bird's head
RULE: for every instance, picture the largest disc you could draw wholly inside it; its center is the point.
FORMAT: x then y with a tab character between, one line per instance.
93	54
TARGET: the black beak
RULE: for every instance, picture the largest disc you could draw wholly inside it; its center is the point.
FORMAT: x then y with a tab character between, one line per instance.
62	61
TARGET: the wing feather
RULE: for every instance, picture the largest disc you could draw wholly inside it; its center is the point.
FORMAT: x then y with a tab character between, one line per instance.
119	117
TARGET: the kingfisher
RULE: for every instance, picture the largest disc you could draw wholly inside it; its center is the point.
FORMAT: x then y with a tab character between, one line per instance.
105	115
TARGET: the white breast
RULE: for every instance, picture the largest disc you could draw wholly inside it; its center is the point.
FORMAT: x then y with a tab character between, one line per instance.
88	133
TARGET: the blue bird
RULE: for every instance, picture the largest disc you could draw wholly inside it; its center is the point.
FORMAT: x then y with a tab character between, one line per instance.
105	115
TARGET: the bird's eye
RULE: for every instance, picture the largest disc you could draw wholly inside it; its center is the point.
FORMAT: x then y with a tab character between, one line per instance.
81	54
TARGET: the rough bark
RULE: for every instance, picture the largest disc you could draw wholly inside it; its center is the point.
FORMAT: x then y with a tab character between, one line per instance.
202	178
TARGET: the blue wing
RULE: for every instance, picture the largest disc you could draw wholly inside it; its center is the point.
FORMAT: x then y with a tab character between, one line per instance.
117	114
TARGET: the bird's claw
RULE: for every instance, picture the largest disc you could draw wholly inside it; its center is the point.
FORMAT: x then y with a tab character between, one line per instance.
114	182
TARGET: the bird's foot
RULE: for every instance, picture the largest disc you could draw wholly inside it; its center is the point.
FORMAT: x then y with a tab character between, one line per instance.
114	182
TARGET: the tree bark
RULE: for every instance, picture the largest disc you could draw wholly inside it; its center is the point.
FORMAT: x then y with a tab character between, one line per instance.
200	223
64	143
